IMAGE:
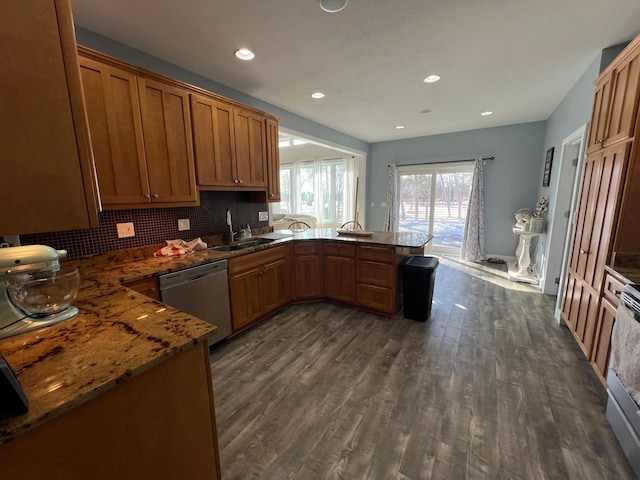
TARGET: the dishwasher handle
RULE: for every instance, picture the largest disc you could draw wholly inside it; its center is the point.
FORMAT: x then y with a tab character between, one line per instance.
174	279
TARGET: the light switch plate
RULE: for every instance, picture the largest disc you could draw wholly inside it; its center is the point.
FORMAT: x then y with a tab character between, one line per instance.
184	224
263	216
383	204
125	230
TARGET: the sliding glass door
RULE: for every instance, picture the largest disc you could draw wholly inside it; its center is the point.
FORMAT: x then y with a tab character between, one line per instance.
433	199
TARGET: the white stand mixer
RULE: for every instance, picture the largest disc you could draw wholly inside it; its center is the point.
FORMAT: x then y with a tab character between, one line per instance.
24	260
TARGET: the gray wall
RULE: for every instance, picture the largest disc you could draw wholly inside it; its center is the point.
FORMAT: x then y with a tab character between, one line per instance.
510	180
289	120
573	111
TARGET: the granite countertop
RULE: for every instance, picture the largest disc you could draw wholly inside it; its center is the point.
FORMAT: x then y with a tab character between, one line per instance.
120	333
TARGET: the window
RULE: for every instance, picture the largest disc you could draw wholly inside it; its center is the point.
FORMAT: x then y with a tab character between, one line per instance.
433	199
324	189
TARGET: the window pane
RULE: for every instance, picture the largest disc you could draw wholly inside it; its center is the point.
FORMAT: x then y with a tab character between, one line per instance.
307	190
284	206
415	203
450	211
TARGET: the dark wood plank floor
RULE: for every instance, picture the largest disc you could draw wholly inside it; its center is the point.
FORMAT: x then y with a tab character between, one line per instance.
490	388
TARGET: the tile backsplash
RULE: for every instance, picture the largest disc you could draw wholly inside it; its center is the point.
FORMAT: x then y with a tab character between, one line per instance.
156	225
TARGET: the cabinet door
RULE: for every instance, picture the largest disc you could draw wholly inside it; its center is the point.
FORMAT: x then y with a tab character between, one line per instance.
250	147
276	285
308	276
111	97
340	278
598	205
167	142
213	141
47	182
600	113
624	101
273	162
374	297
602	344
580	311
246	298
146	286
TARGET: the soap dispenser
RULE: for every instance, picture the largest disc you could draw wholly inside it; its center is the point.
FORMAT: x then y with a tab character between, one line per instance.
248	231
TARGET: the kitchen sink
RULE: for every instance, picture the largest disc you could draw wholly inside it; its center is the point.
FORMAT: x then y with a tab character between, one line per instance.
228	248
241	246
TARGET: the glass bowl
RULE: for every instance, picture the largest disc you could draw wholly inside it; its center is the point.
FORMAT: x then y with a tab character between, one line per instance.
44	293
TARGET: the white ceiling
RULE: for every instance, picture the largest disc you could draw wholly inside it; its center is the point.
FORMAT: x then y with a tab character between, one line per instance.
517	58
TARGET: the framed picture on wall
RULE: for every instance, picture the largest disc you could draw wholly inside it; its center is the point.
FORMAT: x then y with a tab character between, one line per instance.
547	168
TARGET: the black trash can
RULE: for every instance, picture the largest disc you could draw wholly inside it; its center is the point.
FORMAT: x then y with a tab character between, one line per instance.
418	279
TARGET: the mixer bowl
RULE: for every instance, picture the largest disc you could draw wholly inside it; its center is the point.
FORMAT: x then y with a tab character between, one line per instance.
44	293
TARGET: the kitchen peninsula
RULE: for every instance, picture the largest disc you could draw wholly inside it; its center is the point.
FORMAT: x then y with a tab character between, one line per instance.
124	388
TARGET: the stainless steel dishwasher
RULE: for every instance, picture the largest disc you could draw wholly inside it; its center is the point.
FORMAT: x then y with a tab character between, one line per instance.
203	292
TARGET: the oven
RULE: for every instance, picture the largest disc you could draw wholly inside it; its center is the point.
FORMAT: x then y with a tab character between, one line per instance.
623	377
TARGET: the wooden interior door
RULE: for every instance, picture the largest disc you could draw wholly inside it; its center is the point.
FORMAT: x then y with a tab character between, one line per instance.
168	142
214	147
111	96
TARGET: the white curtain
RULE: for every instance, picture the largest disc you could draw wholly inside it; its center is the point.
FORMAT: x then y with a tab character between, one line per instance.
391	221
473	236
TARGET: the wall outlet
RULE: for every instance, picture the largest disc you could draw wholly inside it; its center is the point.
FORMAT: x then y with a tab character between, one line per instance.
263	216
125	230
184	224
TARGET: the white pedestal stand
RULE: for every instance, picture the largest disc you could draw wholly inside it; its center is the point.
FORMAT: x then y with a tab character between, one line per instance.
519	271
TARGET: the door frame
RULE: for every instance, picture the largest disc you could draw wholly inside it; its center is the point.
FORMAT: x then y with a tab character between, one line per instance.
556	236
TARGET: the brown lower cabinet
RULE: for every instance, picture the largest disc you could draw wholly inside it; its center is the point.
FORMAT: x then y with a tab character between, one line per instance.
259	283
157	424
308	271
340	272
145	286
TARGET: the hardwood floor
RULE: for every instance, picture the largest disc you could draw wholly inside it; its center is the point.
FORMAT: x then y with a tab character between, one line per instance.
490	388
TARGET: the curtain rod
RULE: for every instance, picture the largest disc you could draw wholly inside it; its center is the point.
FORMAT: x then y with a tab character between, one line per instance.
436	163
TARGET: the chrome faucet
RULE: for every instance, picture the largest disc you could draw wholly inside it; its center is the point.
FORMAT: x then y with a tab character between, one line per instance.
232	234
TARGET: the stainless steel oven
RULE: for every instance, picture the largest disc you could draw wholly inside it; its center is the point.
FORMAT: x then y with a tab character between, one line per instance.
623	377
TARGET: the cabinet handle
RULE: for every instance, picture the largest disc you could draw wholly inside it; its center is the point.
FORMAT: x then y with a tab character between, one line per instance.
272	195
600	140
583	252
617	293
235	180
147	196
239	181
155	195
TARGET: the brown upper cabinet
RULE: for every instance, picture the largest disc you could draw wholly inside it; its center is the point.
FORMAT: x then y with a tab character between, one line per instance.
273	162
141	138
48	181
615	105
230	145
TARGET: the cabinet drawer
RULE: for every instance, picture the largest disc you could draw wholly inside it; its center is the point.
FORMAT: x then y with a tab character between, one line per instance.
376	298
376	254
306	248
375	273
339	249
253	260
612	289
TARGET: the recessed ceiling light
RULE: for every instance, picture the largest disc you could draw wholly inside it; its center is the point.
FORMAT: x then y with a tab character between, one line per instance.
399	127
333	6
244	54
432	79
317	95
426	110
488	112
